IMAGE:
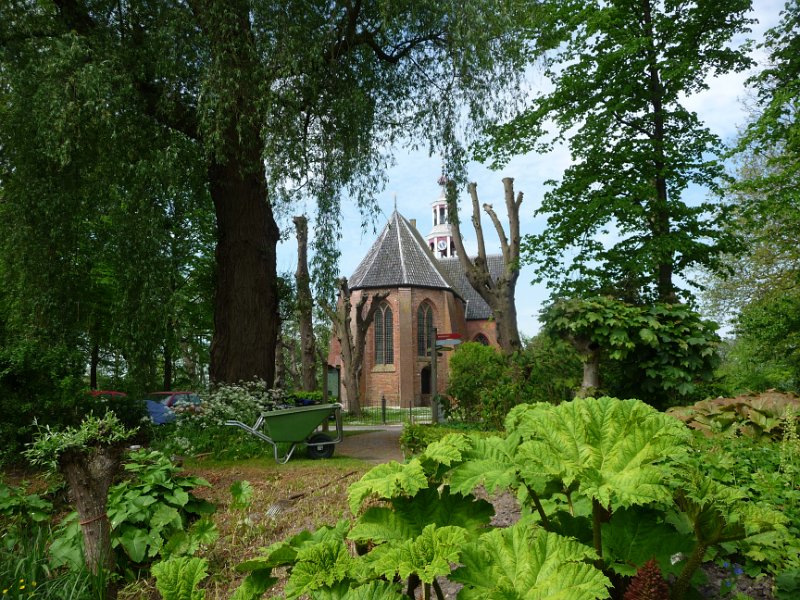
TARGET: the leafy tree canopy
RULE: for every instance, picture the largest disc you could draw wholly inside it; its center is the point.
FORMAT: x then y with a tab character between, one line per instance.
621	71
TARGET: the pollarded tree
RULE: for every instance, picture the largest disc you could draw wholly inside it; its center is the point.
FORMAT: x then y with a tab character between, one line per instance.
496	289
353	339
621	72
260	97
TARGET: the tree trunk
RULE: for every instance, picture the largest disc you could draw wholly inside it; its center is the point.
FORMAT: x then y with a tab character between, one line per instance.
590	355
352	346
95	360
246	295
498	291
305	305
89	475
167	368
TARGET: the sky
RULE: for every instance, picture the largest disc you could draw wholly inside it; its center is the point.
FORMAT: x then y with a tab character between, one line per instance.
412	184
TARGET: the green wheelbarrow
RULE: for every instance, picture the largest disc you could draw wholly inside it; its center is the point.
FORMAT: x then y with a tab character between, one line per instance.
295	426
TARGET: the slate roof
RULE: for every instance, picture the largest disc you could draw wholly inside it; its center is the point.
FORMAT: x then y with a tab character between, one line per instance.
477	309
400	257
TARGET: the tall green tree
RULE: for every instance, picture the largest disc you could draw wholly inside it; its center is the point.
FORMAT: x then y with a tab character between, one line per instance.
764	296
621	71
264	99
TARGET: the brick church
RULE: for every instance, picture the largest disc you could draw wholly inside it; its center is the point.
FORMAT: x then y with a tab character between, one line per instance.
428	291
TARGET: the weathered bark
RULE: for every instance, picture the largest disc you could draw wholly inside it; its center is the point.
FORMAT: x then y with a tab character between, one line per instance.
305	305
246	295
497	292
89	474
352	342
590	355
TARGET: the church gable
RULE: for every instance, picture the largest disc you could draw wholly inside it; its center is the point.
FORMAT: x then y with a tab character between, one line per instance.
399	258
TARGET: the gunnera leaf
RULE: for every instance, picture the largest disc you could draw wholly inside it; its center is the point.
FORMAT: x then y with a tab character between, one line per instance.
374	590
319	566
409	516
428	556
613	449
387	481
491	463
178	578
527	562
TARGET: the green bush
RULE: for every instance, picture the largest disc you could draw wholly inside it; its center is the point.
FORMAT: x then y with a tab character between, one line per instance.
479	386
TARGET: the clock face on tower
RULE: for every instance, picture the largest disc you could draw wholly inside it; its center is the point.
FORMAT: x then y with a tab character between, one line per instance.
442	245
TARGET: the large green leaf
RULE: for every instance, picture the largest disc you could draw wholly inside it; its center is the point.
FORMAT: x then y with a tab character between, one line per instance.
374	590
613	449
178	578
387	481
491	463
635	535
319	566
135	541
409	516
428	556
526	562
254	585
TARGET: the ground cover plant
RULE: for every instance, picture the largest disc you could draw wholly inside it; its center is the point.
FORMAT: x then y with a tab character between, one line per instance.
606	485
658	491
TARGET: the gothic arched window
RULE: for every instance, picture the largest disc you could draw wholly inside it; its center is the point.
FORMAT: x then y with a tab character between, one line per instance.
424	329
384	338
481	339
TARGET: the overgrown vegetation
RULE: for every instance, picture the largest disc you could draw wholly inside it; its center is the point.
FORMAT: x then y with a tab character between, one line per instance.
605	485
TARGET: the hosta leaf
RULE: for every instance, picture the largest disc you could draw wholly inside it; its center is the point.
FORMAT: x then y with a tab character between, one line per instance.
411	515
135	542
318	566
389	480
525	562
165	515
178	578
178	497
428	555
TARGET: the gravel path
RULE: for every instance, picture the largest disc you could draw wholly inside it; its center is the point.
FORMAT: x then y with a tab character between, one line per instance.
373	446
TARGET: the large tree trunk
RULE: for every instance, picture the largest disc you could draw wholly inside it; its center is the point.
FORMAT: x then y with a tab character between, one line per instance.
305	305
246	295
89	474
499	291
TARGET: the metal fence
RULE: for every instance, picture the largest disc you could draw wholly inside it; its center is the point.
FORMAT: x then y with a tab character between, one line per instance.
381	414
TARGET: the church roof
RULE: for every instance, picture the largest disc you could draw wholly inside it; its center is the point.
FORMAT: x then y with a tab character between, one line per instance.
400	258
477	309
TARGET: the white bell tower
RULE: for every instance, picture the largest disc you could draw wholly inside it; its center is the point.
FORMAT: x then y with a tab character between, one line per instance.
440	239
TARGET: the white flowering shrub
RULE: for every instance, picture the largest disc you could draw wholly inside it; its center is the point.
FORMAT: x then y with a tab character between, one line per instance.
201	429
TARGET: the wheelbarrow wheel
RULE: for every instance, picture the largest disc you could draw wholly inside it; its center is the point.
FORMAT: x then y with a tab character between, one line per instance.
318	448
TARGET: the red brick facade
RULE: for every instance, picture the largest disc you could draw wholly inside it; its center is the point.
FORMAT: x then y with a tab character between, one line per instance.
403	382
